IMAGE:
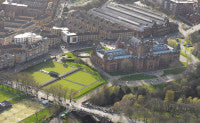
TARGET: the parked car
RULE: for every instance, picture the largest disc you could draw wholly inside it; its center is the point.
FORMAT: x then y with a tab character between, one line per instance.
5	105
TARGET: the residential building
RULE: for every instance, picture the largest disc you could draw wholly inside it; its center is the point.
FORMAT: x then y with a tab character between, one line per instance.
7	60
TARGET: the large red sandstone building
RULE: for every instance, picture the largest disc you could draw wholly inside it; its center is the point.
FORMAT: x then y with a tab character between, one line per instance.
140	54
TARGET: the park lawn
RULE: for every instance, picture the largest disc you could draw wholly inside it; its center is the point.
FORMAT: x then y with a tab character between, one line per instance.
50	66
137	77
83	77
81	1
89	88
83	67
66	84
41	77
174	71
58	67
45	113
5	95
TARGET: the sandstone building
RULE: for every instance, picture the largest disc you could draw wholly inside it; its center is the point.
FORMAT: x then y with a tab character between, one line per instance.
140	54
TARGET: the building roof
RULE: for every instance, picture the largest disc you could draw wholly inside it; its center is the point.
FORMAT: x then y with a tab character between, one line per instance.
131	16
28	35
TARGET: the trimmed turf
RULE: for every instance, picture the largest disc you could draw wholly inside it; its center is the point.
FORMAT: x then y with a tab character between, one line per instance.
83	77
66	84
41	77
174	71
137	77
39	118
47	66
58	67
5	95
90	88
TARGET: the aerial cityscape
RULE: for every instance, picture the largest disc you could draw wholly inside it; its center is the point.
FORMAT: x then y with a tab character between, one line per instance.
99	61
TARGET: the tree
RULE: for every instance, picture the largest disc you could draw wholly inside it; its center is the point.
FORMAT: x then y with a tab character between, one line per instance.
126	65
72	94
169	97
198	90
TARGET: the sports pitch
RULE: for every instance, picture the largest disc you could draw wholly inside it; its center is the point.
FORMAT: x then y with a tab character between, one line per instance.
81	82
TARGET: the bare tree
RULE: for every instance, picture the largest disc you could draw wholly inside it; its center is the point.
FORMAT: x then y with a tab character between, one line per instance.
126	65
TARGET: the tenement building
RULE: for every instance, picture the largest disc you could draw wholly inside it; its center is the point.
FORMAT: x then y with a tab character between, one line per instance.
26	47
116	20
7	60
186	10
138	53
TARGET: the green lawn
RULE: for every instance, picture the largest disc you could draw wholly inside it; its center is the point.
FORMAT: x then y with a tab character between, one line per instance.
83	77
47	66
83	67
58	67
41	116
90	88
174	71
5	95
50	66
66	84
137	77
41	77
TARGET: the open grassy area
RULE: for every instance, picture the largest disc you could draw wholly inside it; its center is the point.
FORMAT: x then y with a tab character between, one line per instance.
47	66
50	66
174	71
137	77
90	88
66	84
5	95
57	67
41	77
39	117
83	77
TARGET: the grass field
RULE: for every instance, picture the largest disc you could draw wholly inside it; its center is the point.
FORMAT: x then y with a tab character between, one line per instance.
66	84
5	95
41	77
137	77
174	71
47	66
40	117
83	77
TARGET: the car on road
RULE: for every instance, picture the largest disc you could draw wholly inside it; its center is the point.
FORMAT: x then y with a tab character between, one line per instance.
63	116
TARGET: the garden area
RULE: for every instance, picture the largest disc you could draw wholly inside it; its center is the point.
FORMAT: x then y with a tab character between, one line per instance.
79	82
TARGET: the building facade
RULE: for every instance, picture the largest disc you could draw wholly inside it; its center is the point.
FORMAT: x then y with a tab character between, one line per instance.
7	60
140	54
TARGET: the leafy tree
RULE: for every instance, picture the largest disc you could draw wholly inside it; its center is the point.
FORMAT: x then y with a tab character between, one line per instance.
169	97
198	90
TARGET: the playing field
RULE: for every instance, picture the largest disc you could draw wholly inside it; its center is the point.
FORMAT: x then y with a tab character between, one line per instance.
41	77
83	77
47	66
5	95
20	111
66	84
